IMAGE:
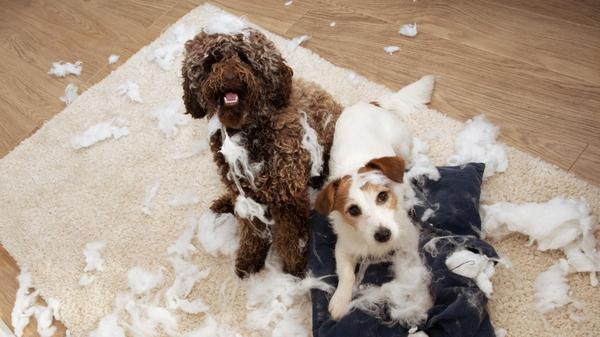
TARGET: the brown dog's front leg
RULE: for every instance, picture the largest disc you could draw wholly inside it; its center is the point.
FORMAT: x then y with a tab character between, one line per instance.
224	204
291	235
254	247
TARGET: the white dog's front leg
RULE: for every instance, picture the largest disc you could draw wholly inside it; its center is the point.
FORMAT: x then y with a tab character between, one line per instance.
340	301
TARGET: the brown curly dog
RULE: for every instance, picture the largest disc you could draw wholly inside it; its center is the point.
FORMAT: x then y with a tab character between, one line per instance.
242	83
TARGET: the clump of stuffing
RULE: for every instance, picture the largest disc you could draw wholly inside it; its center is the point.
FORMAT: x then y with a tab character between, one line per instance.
224	23
186	276
409	29
93	257
165	55
70	94
183	246
141	281
247	208
210	328
218	234
296	42
391	49
44	317
421	165
310	142
354	78
551	288
195	148
238	159
24	302
477	267
112	59
500	332
332	24
288	3
278	303
131	90
115	127
476	142
170	117
108	327
560	223
151	191
62	69
184	199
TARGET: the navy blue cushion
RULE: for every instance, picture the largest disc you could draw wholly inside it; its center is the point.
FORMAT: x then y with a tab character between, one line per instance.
459	309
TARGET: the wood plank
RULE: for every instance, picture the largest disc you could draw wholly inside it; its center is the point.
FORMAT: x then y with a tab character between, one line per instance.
578	12
540	40
513	94
587	165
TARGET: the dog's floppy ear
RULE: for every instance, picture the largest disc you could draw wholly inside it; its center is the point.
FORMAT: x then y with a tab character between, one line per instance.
190	99
391	167
192	72
326	198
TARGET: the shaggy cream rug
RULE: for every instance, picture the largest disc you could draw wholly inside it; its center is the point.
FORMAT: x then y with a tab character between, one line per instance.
55	199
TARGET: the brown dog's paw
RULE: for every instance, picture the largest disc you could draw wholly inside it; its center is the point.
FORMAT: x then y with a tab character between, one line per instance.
222	205
245	267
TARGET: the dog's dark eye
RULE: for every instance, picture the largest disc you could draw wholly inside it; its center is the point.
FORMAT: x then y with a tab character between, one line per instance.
382	197
354	210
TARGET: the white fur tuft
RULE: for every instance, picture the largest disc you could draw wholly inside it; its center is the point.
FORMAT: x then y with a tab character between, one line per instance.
411	98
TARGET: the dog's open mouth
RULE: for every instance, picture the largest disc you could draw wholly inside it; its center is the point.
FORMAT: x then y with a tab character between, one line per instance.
231	99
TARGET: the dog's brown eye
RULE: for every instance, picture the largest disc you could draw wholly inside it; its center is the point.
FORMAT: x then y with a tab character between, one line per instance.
382	197
354	210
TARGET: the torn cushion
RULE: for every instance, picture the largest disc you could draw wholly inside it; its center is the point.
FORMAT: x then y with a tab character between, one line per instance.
459	308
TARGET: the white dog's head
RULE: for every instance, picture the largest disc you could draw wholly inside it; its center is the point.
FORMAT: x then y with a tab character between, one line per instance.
369	210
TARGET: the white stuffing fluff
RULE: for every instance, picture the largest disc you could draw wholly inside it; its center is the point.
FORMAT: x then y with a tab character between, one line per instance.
409	29
86	279
238	160
391	49
214	125
70	94
332	24
310	142
477	267
296	42
407	295
116	128
184	199
151	191
551	288
186	276
108	327
141	281
44	317
247	208
500	332
195	148
112	59
170	117
62	69
278	303
131	90
421	165
218	234
288	3
476	142
24	301
93	257
183	246
225	23
165	55
560	223
162	316
427	214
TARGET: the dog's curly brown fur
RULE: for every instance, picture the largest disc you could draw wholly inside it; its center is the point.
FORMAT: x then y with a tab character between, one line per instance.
268	119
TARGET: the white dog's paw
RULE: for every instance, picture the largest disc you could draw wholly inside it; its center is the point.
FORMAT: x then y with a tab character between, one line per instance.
339	305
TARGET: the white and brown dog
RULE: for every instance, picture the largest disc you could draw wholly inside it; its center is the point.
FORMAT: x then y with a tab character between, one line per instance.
368	202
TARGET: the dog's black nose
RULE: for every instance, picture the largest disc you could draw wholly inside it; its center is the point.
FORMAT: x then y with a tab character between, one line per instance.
382	234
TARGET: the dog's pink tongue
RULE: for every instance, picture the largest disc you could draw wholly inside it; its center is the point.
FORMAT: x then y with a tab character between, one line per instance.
231	98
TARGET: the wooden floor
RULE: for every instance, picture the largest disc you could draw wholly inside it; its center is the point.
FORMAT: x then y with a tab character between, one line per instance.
532	66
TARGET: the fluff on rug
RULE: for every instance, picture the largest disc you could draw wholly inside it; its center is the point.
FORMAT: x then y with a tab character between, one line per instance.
103	197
